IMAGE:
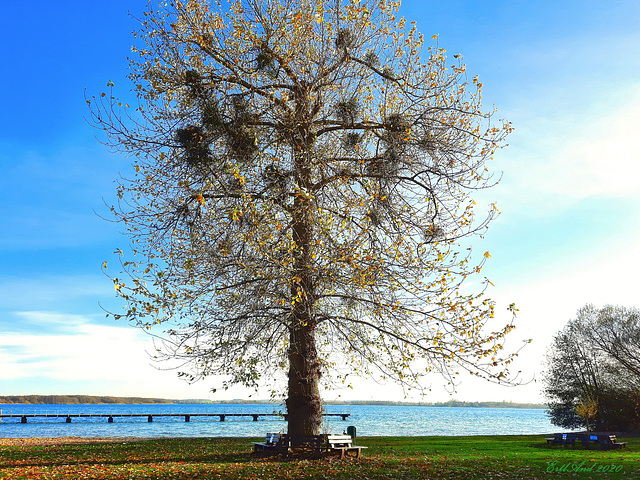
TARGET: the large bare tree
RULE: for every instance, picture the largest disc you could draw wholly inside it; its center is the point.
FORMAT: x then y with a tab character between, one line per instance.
300	194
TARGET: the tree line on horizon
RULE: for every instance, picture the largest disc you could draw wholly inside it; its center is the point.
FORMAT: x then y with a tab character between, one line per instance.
98	400
79	399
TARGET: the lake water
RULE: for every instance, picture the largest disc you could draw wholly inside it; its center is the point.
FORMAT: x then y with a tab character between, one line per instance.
369	420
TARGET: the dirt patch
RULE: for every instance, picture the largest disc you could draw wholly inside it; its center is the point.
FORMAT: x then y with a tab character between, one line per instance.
38	441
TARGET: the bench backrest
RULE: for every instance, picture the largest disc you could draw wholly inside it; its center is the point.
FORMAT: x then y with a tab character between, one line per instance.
339	440
310	441
605	438
272	438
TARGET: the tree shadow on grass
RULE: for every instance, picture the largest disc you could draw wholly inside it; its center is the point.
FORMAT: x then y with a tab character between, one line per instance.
136	452
74	457
212	459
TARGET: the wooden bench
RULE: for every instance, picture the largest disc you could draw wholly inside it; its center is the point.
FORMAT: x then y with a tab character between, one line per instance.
607	442
272	442
305	444
342	444
279	443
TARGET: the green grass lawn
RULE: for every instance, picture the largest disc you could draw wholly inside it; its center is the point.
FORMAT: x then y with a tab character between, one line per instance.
494	457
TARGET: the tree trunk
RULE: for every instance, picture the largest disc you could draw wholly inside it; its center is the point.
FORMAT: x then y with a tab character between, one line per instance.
304	405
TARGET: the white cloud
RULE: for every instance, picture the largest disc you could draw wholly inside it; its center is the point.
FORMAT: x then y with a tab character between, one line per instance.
86	352
552	296
555	160
602	157
106	360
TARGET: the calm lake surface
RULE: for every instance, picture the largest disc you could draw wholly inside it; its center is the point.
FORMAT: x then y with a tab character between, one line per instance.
369	420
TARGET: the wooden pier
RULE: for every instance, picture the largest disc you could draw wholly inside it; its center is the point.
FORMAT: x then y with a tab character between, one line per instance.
187	416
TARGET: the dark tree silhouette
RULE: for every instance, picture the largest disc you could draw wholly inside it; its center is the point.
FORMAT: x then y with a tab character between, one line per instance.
592	378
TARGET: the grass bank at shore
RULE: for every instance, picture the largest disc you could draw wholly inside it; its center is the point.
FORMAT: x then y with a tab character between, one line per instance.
477	457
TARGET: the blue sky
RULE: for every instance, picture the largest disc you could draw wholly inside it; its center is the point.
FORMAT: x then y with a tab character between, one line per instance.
567	74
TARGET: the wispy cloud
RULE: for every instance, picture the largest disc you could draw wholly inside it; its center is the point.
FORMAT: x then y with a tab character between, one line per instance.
44	292
52	320
78	350
602	157
556	161
116	358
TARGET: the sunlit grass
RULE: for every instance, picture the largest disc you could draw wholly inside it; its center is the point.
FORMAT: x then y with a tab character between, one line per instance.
510	457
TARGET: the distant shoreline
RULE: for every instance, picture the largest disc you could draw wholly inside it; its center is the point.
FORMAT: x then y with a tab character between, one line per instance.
108	400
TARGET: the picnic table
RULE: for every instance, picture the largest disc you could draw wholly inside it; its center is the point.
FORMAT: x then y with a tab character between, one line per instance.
563	439
604	440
